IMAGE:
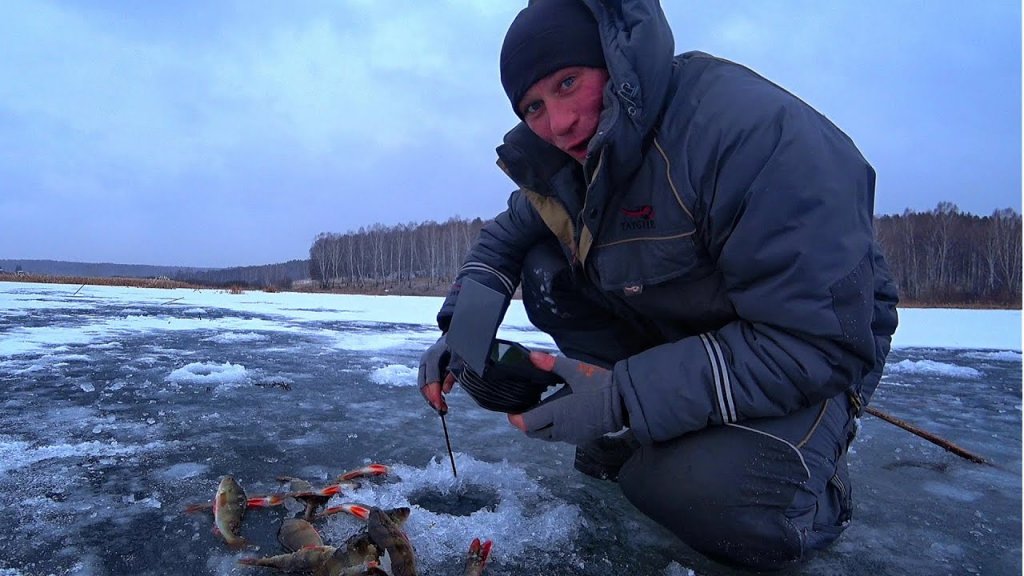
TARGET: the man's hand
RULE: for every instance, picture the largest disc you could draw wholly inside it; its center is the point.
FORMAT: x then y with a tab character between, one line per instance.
592	409
433	362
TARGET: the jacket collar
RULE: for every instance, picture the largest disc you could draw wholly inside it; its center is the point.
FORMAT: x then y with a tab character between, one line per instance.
531	162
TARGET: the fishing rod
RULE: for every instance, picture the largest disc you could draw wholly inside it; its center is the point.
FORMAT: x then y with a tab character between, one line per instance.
448	441
945	444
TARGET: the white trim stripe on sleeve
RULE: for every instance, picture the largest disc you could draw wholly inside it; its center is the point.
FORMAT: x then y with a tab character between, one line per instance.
510	286
723	390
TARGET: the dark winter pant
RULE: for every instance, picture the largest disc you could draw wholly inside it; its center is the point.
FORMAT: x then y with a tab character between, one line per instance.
760	493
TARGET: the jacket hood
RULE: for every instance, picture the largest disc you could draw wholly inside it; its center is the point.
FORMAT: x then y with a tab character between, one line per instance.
638	49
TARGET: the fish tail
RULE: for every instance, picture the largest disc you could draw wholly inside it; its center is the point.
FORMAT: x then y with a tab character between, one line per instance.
378	469
330	490
485	550
358	510
265	501
369	470
329	511
476	559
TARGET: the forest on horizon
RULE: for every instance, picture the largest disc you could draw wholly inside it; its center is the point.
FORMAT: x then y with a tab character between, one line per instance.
940	257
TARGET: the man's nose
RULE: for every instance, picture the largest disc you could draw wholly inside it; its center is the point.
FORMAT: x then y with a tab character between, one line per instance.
562	118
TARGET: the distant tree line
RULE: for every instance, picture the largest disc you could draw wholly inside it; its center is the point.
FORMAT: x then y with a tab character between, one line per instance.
92	269
939	257
946	256
281	276
418	258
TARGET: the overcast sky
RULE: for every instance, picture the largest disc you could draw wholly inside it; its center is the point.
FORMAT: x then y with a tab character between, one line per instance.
218	133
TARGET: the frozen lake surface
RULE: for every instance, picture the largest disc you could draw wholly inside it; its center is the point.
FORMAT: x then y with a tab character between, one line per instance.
120	406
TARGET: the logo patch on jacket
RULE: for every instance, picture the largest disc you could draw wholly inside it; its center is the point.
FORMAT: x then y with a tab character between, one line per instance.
639	218
633	290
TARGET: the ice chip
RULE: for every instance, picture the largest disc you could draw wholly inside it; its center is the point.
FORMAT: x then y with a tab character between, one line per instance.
676	569
206	373
395	375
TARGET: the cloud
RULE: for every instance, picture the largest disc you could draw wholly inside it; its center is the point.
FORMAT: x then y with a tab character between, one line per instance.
151	128
365	74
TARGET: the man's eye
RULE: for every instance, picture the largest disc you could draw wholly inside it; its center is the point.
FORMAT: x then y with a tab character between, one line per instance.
531	108
568	82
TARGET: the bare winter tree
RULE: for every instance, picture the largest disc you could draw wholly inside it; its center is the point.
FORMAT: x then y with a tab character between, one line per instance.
946	257
939	257
1003	244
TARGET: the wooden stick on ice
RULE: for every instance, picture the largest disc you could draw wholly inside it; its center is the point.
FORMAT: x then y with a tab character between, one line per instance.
926	435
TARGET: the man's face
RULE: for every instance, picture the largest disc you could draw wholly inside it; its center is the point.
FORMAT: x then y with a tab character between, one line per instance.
563	108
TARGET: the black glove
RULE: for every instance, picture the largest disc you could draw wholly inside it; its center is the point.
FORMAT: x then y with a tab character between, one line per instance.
434	362
590	409
435	365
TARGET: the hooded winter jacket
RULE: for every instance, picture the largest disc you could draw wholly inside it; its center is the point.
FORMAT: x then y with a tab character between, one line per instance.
725	217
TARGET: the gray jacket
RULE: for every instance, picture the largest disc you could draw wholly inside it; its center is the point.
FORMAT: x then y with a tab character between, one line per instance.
721	213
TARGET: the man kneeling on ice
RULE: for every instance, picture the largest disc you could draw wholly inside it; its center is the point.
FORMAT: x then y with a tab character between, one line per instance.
698	242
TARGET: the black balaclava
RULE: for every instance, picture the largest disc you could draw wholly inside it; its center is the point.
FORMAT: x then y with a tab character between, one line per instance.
546	36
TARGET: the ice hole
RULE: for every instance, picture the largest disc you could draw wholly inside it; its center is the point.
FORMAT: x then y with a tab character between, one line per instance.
465	500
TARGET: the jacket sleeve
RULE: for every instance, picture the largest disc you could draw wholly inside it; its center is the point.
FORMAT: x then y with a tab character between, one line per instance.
496	257
883	323
785	203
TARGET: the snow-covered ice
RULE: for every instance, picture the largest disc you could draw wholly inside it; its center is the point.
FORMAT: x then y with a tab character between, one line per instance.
120	406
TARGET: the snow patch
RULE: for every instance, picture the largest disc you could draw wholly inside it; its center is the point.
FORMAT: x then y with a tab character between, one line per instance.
933	368
1000	356
16	454
235	337
107	346
209	373
395	375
